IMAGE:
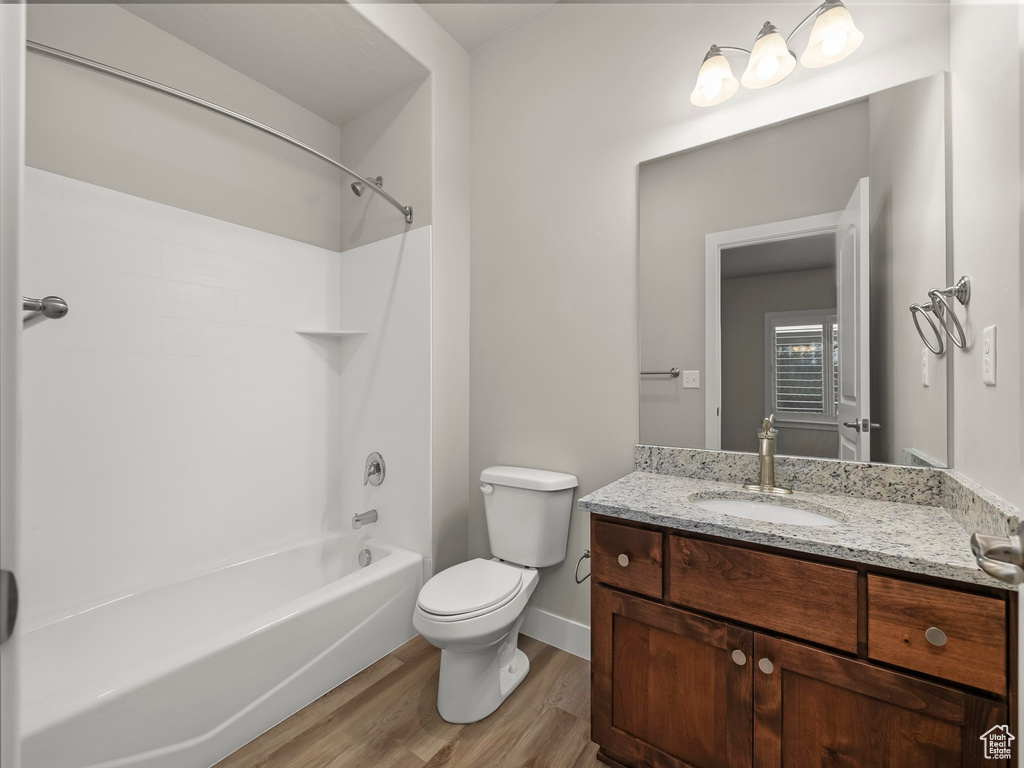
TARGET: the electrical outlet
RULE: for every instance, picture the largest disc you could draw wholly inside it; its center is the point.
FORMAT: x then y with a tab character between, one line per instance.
691	379
926	365
988	356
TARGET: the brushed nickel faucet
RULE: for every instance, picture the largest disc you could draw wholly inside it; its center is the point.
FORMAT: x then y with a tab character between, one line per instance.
766	456
364	518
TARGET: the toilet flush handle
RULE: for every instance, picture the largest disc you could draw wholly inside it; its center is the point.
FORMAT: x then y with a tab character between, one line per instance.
487	488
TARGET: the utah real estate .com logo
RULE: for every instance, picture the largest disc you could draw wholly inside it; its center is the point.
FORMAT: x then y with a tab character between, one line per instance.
997	742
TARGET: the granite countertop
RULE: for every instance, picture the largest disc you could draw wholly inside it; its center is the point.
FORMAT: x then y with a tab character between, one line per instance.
907	537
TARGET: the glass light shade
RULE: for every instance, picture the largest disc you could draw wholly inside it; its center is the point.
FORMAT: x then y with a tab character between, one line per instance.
770	60
715	81
834	36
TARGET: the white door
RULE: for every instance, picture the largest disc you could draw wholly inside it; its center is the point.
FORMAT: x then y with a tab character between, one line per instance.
854	403
12	73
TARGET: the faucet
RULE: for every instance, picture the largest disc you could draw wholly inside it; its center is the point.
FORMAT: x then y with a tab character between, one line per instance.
364	518
373	472
766	457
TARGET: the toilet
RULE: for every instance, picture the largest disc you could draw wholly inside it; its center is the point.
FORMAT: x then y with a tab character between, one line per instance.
473	611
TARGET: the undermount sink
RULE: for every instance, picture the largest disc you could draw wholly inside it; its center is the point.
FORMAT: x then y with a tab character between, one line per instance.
764	511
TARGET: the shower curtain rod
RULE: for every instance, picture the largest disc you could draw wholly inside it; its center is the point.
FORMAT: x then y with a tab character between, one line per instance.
57	53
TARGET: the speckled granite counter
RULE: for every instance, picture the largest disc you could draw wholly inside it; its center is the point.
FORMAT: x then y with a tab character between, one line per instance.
917	538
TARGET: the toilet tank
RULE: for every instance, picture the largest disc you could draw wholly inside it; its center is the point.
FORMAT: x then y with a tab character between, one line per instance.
528	513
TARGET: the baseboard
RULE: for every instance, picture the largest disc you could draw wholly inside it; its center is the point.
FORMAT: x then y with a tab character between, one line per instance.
558	631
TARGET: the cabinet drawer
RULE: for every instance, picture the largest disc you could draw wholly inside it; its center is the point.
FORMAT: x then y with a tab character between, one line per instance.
971	645
628	558
806	600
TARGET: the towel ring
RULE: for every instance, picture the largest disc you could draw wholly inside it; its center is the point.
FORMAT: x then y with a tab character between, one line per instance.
943	309
924	309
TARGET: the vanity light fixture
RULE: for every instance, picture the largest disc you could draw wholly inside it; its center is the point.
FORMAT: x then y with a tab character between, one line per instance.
770	62
715	81
833	37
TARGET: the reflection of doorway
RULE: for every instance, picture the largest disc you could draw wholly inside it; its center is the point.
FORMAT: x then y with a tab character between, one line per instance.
778	327
840	389
766	285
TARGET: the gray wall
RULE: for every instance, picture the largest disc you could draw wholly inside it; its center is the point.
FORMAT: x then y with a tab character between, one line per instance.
801	168
985	133
93	128
745	300
908	257
392	140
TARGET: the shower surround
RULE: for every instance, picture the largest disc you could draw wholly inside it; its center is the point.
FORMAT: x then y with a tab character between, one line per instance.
199	405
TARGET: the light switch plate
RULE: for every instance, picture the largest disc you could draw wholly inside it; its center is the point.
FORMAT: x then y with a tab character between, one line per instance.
926	373
691	379
988	356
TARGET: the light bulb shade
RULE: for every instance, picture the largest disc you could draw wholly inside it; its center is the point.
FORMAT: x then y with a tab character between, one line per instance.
770	60
715	81
834	36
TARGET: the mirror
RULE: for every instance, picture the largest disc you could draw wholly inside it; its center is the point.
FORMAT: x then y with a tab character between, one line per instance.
776	273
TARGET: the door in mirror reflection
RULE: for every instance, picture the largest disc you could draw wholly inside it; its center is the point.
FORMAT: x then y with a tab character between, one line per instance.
852	269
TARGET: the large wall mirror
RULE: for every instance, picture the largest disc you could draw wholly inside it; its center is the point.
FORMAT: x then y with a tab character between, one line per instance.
777	269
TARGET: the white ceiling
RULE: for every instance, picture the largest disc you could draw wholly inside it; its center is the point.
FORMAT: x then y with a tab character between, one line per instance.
473	24
324	56
812	252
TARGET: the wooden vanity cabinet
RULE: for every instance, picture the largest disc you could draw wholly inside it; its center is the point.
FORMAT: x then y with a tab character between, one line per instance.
675	687
817	708
666	689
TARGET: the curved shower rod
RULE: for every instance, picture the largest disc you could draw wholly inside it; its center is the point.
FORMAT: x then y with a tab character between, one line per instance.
57	53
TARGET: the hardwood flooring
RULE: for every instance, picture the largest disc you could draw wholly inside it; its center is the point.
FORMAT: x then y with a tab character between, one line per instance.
386	717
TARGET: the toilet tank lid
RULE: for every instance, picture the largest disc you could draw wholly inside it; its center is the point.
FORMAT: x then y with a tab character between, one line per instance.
532	479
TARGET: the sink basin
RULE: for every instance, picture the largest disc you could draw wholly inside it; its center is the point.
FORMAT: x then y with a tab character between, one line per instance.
764	511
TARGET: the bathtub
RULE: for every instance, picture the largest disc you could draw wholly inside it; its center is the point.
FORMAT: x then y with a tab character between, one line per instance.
184	673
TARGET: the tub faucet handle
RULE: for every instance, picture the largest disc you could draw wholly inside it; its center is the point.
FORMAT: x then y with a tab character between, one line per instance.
373	472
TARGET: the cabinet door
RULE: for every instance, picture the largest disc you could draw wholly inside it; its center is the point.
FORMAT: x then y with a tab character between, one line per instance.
815	709
670	688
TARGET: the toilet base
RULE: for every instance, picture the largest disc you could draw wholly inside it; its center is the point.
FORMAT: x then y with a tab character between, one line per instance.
474	684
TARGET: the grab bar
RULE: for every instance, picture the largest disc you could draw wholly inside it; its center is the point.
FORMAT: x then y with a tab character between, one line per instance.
674	373
46	308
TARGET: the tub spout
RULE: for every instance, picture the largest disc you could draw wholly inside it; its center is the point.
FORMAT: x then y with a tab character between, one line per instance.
364	518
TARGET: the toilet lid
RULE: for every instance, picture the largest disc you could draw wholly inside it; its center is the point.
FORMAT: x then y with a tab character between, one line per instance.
470	586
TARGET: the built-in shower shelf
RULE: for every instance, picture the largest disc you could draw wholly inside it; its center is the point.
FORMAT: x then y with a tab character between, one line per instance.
329	333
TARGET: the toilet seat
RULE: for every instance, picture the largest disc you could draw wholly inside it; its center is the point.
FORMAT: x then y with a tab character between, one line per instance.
470	589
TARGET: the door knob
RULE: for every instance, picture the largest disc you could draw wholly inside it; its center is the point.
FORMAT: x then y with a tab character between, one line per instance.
739	657
1004	572
1001	557
766	666
623	560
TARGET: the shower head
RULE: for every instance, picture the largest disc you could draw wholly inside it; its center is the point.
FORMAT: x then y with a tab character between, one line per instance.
358	186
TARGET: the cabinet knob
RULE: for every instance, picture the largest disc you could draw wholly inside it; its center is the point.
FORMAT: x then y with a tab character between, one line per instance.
623	560
766	666
739	657
935	636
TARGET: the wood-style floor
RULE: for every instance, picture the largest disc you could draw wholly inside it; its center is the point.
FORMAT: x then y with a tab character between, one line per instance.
386	717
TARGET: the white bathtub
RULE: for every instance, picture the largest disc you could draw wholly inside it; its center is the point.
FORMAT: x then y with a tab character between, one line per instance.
185	673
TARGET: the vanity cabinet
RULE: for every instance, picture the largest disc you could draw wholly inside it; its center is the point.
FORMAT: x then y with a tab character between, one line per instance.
655	668
813	708
727	656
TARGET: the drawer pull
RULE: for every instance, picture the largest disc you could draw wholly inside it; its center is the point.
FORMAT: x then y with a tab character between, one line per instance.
766	666
739	657
623	560
935	636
